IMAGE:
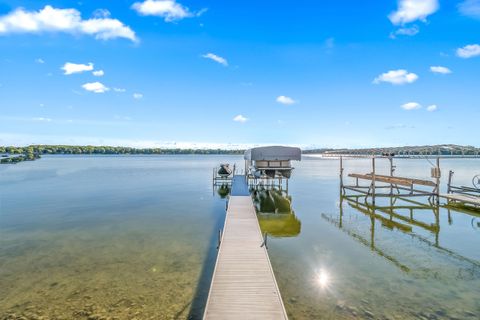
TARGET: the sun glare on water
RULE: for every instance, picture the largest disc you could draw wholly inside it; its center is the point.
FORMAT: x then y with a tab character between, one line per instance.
323	278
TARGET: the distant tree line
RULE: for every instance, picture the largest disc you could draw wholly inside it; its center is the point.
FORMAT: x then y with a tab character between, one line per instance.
11	154
15	155
444	149
34	151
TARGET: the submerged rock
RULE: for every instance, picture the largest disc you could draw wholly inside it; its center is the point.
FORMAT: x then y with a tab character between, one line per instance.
471	314
340	305
352	310
369	313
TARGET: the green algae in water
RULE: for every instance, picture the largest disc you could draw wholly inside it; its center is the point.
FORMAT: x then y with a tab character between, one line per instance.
275	214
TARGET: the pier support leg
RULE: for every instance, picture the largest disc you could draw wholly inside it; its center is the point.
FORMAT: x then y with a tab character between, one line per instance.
392	169
436	212
341	175
373	180
438	175
449	186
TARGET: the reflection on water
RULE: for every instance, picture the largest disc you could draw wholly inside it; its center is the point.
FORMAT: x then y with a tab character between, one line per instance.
275	214
323	278
400	214
223	190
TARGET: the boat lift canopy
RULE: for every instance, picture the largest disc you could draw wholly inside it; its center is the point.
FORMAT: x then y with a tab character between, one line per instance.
273	153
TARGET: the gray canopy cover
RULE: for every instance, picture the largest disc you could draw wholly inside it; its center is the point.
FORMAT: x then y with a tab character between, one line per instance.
274	153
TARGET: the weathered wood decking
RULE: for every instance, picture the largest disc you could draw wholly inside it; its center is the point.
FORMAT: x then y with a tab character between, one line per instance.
393	179
462	198
243	284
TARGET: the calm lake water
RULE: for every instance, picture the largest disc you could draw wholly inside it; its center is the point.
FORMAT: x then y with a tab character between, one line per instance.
123	237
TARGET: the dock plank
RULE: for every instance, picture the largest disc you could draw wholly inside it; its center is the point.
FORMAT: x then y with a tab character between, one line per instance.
393	179
463	198
243	284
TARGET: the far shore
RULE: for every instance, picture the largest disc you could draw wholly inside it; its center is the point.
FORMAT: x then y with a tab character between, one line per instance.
13	154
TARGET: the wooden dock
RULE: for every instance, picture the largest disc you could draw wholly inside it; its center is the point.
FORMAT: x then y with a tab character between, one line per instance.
462	198
243	284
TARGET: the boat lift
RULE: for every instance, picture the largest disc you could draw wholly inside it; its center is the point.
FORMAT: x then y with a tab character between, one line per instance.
270	166
401	187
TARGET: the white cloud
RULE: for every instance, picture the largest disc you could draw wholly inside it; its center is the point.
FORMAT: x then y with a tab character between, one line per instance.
98	73
432	107
285	100
119	90
413	10
42	119
216	58
170	10
137	96
411	106
101	13
396	77
240	118
470	8
407	31
50	19
440	69
469	51
96	87
71	68
40	60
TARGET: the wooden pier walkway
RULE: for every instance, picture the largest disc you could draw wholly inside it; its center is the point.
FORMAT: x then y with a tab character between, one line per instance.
243	284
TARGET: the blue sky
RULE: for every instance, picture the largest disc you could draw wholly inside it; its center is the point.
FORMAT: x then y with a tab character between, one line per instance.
238	73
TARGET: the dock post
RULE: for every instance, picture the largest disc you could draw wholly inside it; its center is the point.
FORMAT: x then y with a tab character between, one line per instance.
438	175
264	243
392	170
219	238
373	180
436	212
341	174
449	186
